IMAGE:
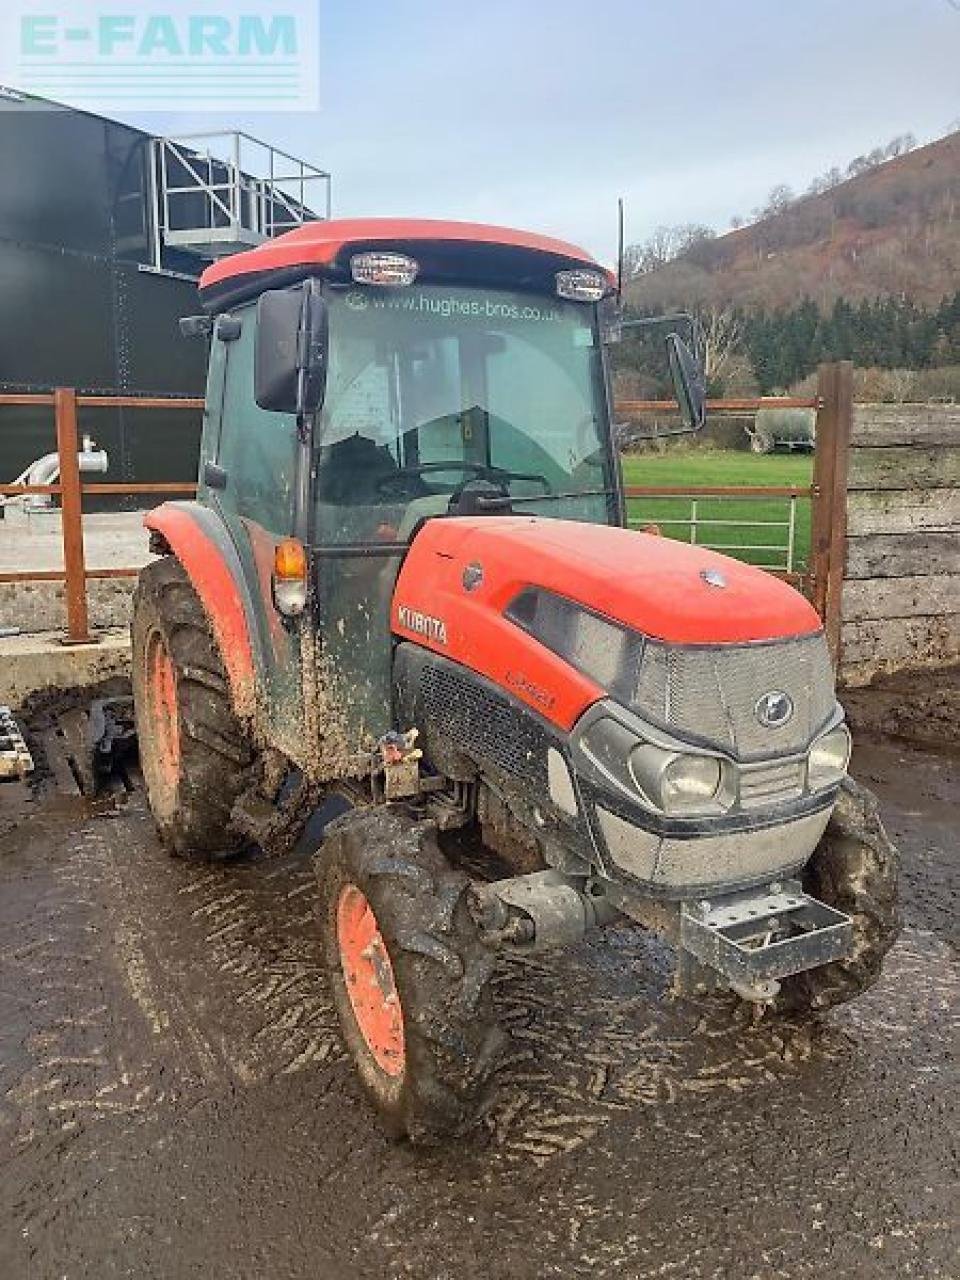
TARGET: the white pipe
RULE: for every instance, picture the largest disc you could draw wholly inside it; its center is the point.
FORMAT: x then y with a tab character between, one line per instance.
43	470
46	470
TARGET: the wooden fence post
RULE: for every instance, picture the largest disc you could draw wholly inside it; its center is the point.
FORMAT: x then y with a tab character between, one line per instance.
71	515
829	532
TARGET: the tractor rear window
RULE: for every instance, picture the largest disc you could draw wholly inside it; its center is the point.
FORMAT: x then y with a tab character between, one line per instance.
434	390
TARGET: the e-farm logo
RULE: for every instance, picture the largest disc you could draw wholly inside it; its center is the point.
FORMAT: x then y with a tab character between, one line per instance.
181	55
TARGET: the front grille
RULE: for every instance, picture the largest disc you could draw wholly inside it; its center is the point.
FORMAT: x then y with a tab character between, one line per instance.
771	784
481	723
711	694
725	859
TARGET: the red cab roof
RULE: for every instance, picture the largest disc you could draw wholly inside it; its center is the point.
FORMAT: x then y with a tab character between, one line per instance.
319	245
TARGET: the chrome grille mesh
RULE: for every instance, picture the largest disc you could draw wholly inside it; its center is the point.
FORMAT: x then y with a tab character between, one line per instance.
726	858
769	784
711	694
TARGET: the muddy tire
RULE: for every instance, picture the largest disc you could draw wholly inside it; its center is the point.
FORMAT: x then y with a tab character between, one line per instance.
408	973
194	752
855	868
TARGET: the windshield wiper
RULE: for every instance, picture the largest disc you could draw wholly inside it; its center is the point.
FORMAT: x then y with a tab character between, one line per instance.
508	502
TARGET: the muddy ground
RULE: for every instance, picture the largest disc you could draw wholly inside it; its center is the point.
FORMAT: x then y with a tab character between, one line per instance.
174	1101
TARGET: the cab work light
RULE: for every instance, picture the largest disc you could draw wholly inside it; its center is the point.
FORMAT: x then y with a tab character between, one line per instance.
290	578
384	268
581	286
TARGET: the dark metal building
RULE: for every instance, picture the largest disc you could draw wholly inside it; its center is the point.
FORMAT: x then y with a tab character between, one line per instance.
103	231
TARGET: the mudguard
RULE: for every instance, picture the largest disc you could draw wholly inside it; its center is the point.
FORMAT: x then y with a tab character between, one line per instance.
200	541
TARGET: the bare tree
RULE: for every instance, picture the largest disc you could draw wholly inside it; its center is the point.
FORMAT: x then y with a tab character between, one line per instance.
779	200
665	245
655	252
722	334
690	235
825	182
659	249
899	146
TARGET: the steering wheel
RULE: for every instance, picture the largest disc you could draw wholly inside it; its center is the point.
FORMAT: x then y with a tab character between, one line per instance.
418	469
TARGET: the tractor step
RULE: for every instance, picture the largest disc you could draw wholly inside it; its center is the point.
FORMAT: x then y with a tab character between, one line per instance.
754	938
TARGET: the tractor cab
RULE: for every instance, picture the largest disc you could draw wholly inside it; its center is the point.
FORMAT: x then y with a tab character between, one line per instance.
369	376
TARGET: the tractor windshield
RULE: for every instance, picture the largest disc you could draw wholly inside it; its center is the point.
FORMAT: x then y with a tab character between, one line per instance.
435	390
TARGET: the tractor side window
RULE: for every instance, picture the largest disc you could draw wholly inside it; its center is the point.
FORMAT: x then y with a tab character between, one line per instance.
258	448
213	406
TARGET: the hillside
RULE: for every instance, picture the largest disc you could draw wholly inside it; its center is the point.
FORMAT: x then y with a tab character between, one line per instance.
892	231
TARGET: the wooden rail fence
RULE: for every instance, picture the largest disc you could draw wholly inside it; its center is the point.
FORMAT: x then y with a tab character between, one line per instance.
823	580
827	494
66	403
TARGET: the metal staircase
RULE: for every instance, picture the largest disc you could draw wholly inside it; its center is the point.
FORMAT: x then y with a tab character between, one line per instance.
217	193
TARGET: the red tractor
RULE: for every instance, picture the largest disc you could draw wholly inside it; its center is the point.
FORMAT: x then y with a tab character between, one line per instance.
407	581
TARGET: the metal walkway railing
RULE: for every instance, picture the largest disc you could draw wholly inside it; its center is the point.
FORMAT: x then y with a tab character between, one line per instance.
216	193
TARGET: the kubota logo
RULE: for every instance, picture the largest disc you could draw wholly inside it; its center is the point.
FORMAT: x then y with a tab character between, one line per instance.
774	709
423	624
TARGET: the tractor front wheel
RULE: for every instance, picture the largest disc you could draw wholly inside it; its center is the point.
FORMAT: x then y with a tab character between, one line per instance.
408	973
194	751
854	868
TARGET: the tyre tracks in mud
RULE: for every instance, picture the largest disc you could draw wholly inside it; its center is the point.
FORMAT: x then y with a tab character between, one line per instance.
143	998
218	985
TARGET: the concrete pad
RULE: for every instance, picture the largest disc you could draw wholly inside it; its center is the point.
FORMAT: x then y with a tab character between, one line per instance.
30	663
111	540
33	542
41	606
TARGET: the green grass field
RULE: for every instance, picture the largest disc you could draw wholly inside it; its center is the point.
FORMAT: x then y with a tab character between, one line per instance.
698	467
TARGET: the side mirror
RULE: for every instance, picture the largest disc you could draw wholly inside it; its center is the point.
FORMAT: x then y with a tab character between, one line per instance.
290	361
689	382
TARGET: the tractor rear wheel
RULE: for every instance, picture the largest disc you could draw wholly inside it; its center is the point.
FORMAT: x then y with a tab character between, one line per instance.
408	973
854	868
194	751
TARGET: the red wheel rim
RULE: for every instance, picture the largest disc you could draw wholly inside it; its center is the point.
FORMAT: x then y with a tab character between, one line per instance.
369	979
164	712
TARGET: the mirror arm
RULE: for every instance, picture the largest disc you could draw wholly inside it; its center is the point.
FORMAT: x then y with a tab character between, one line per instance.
302	478
662	435
305	427
645	322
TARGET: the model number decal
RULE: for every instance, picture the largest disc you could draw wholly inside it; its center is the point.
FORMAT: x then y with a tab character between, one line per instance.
423	624
523	685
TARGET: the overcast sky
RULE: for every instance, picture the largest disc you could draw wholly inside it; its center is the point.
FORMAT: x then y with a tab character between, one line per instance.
541	114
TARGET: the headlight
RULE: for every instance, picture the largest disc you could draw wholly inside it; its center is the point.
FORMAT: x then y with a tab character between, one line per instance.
677	783
581	286
689	782
828	759
394	269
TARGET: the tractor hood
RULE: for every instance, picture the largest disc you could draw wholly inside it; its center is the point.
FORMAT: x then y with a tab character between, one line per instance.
668	590
465	583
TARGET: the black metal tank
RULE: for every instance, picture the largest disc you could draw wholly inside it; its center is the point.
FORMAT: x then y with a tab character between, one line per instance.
80	302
